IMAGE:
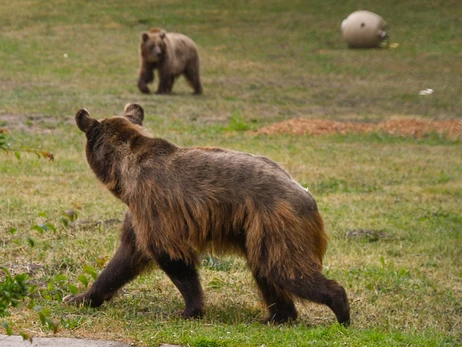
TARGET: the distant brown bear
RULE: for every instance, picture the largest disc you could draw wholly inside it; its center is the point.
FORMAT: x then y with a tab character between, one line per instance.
184	201
172	54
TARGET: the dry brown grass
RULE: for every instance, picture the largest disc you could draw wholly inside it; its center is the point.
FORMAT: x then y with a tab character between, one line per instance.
452	129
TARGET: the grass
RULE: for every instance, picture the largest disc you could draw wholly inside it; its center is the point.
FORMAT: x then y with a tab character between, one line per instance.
262	62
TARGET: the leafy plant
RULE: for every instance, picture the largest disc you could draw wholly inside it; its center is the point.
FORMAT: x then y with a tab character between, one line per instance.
13	290
5	146
45	319
17	289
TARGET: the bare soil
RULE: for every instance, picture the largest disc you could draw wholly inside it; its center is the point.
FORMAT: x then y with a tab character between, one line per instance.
452	129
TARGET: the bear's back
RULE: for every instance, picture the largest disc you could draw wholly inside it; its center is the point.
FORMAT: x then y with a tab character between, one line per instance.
182	46
235	176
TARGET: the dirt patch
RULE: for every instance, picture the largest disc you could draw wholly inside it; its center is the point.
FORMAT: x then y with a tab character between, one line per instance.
29	124
367	235
452	129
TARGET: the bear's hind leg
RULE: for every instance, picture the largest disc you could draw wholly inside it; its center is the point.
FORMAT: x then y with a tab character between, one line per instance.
127	263
186	279
279	303
319	289
192	76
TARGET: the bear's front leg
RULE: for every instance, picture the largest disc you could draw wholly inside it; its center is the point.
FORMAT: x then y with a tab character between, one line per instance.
165	83
127	263
186	278
146	76
143	87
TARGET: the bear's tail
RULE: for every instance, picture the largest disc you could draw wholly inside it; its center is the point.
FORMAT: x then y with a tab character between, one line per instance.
320	236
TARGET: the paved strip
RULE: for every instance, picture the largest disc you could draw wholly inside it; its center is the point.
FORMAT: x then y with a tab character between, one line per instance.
17	341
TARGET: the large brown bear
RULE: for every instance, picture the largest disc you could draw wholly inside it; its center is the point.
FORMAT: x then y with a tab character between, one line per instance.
183	201
172	54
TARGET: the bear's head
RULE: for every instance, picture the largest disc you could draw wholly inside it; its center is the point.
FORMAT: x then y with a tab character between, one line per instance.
133	117
152	45
110	139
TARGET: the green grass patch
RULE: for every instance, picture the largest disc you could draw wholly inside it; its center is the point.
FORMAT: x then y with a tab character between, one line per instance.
261	62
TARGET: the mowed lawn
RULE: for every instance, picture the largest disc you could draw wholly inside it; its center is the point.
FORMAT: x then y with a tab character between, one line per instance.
391	205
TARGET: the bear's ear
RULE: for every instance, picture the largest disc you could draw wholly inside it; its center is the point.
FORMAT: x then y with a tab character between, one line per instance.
144	36
84	120
162	34
134	113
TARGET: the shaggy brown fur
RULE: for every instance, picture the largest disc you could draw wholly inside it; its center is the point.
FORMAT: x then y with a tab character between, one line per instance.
172	54
184	201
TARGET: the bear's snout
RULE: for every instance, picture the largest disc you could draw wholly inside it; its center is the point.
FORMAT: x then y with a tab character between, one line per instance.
157	51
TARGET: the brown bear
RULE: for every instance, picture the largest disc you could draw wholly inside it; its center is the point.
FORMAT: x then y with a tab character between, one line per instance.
172	54
185	201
